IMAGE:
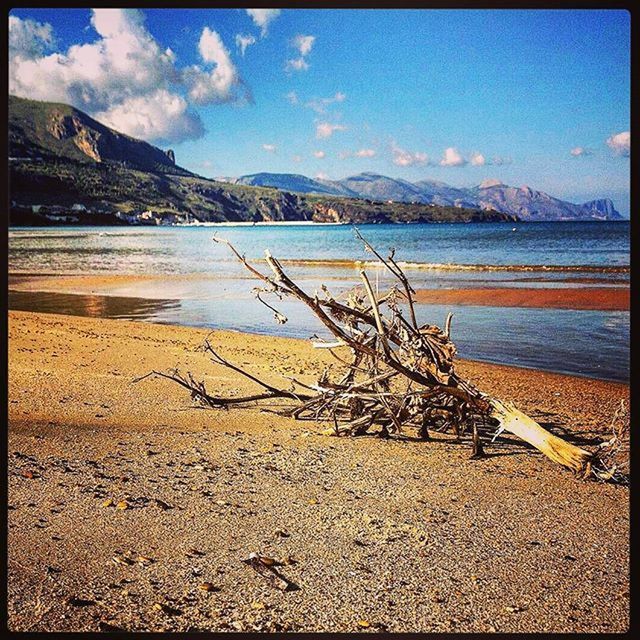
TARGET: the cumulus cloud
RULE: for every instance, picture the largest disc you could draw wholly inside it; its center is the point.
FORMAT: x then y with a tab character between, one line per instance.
303	44
271	148
29	39
577	152
217	85
263	17
319	154
477	159
161	116
124	78
620	143
403	158
244	41
292	97
126	59
326	129
453	158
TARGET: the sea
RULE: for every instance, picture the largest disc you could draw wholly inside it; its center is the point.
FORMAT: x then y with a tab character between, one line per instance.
194	281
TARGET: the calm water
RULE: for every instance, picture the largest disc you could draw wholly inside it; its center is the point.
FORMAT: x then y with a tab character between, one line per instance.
190	249
218	292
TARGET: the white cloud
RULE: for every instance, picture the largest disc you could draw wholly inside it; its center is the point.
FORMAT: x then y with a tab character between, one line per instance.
217	85
297	158
620	143
452	158
292	97
244	41
403	158
319	105
161	116
29	39
271	148
326	129
125	61
581	151
319	154
124	77
263	17
303	44
477	159
322	176
297	64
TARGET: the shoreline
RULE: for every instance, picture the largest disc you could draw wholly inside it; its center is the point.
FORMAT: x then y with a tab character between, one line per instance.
586	297
406	535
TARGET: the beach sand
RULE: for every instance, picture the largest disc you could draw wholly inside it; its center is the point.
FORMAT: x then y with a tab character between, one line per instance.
396	535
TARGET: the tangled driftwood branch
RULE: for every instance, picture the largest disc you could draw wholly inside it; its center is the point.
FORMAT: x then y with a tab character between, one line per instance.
396	374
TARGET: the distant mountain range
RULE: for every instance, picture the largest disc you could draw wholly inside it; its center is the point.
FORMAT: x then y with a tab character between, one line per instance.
67	168
524	202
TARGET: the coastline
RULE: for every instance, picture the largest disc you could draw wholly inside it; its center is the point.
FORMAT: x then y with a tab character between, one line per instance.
405	535
588	296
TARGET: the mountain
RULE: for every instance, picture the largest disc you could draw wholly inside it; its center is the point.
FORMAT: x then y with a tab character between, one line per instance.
530	204
601	209
67	168
524	202
292	182
377	187
53	131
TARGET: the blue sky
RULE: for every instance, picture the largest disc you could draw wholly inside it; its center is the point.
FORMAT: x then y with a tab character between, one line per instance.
527	97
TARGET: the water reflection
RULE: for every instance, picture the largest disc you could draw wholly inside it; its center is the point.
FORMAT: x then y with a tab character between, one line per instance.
91	306
586	343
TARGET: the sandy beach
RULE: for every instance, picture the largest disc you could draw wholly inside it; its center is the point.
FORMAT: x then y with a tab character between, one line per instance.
132	509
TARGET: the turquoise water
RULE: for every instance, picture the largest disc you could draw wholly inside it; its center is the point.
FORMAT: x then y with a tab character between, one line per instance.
190	249
589	343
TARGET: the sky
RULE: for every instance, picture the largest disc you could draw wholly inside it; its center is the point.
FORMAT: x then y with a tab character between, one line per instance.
526	97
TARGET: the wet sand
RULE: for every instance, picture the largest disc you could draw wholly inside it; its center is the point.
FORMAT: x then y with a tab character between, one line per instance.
378	535
579	298
610	298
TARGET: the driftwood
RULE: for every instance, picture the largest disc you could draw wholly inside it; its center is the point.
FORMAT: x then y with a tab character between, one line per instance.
395	374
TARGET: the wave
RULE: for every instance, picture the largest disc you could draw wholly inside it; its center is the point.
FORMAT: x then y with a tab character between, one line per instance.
440	266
